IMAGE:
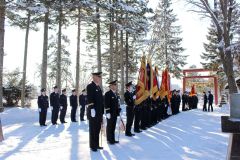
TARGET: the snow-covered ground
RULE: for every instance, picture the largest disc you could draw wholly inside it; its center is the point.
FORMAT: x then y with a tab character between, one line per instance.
193	135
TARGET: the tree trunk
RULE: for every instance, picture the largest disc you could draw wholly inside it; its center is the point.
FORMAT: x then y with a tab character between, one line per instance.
78	51
59	49
228	69
25	61
2	33
127	50
99	55
45	50
122	65
111	32
116	56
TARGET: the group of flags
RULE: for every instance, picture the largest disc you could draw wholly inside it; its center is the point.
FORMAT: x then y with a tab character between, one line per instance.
148	83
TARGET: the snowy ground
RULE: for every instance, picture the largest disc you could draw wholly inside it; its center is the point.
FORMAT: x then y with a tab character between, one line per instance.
193	135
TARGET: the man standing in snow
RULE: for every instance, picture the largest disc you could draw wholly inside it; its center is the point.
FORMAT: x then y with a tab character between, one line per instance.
184	101
174	102
210	101
112	111
83	103
204	101
55	105
63	106
43	105
178	101
73	104
129	100
95	110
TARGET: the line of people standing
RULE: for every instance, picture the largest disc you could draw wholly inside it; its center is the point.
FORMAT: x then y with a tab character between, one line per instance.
207	99
59	105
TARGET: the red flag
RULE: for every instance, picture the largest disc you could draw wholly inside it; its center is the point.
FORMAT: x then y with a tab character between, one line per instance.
155	88
193	91
165	85
141	90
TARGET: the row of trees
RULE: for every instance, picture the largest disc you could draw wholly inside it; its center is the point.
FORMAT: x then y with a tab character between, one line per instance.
114	31
120	21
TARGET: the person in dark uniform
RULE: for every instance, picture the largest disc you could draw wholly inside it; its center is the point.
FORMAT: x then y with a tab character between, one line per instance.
174	102
145	109
178	101
95	110
195	101
204	101
159	110
83	103
55	105
166	105
112	111
184	101
154	118
73	104
42	107
63	106
128	98
210	101
190	102
137	112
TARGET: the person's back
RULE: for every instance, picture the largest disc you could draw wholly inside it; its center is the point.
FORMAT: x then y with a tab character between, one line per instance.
210	101
210	98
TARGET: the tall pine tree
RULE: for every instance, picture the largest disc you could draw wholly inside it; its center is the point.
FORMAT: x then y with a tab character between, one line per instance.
166	41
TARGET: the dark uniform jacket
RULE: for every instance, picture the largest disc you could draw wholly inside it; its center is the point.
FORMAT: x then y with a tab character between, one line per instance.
178	99
205	98
43	102
210	98
128	97
111	103
73	101
184	98
95	100
54	99
83	100
63	100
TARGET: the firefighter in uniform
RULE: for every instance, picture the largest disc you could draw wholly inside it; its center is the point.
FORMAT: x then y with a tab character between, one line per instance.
73	104
83	103
55	105
95	110
129	100
112	109
42	107
63	106
178	99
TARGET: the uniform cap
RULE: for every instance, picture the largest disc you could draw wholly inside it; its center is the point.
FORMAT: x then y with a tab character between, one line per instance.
128	84
113	82
97	73
43	90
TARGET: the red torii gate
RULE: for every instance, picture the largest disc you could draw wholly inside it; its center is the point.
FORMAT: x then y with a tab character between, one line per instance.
194	77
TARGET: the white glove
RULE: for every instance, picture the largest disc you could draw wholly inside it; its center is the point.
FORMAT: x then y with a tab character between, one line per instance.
61	107
93	113
51	107
39	109
134	97
80	107
108	115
